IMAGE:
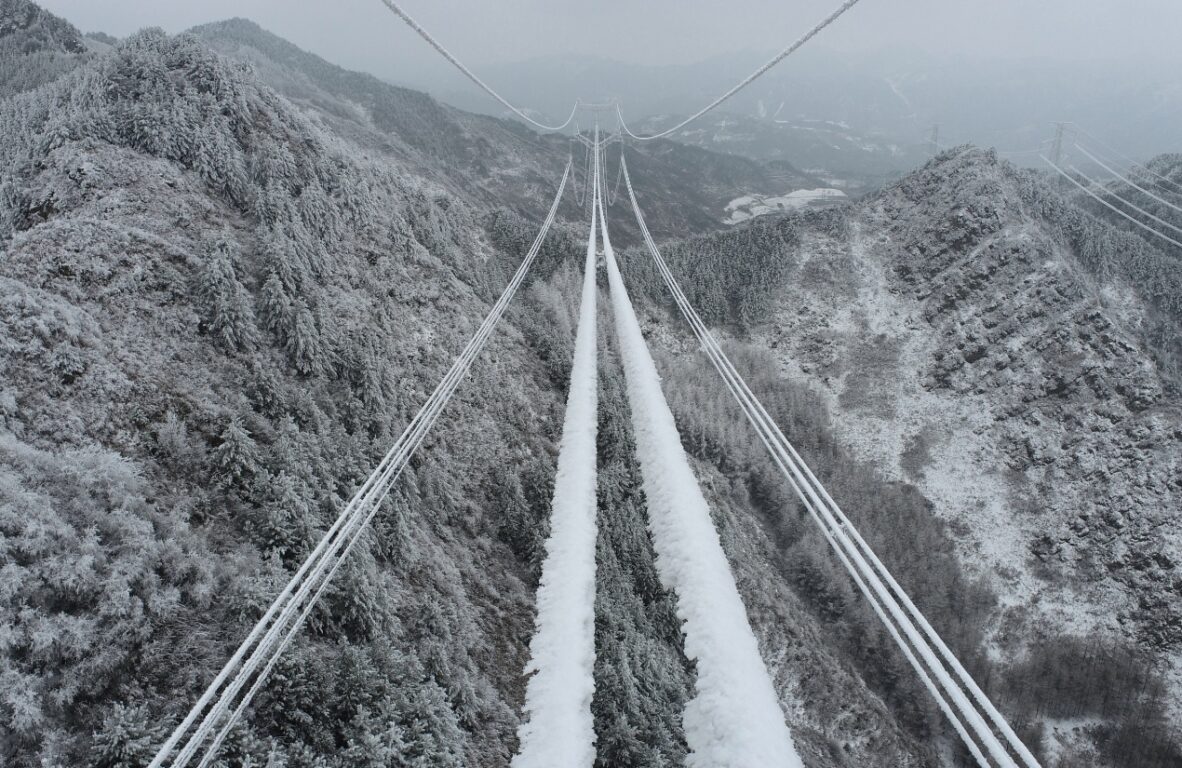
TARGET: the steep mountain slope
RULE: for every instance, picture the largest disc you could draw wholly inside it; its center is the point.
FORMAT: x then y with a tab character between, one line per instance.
212	329
1013	360
35	46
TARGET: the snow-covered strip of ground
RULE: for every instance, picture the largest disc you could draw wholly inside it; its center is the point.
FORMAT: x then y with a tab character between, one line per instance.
734	718
557	731
750	206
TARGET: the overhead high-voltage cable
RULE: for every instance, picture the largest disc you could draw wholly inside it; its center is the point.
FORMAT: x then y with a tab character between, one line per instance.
397	10
1096	184
1129	182
1174	187
609	198
580	191
557	727
734	717
832	17
1084	188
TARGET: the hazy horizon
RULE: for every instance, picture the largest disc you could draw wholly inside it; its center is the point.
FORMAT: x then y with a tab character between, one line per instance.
363	34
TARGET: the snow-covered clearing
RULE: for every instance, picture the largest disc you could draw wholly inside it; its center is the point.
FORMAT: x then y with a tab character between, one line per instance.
558	726
734	718
750	206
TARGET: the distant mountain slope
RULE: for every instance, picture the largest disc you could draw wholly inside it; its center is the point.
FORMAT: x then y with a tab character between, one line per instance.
892	97
445	137
498	161
35	46
835	151
34	29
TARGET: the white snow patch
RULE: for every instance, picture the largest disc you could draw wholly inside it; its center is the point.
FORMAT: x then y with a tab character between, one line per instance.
748	206
1061	733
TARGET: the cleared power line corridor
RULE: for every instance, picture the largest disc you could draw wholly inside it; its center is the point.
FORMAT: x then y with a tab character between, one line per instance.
734	717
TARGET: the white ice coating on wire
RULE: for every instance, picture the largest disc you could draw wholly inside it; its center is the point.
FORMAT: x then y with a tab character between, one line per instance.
1150	174
832	17
734	718
558	729
410	22
1086	190
1134	185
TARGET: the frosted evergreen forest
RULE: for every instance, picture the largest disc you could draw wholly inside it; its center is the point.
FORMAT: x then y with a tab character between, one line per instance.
231	273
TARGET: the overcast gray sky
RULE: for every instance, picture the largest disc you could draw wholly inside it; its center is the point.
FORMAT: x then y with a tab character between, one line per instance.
363	34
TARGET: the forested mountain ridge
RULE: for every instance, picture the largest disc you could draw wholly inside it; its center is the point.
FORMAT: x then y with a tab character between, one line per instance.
219	305
212	328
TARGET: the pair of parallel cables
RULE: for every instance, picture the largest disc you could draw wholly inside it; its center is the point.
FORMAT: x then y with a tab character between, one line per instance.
974	717
397	10
212	717
1119	204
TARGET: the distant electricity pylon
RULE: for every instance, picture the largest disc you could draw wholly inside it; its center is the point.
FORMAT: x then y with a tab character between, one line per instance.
935	139
1057	147
1057	144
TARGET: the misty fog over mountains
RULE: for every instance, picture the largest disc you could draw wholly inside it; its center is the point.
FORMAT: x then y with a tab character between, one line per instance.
235	275
894	97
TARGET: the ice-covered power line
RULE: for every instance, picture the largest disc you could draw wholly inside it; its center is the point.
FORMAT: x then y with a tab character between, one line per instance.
580	190
734	718
1129	182
1173	186
1095	184
222	703
398	11
610	197
1084	188
953	689
832	17
1019	152
558	728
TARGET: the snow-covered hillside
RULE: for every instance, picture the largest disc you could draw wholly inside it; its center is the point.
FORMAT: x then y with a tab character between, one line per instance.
974	338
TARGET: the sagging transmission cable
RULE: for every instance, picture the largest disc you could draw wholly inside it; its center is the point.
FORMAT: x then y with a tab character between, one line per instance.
832	17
